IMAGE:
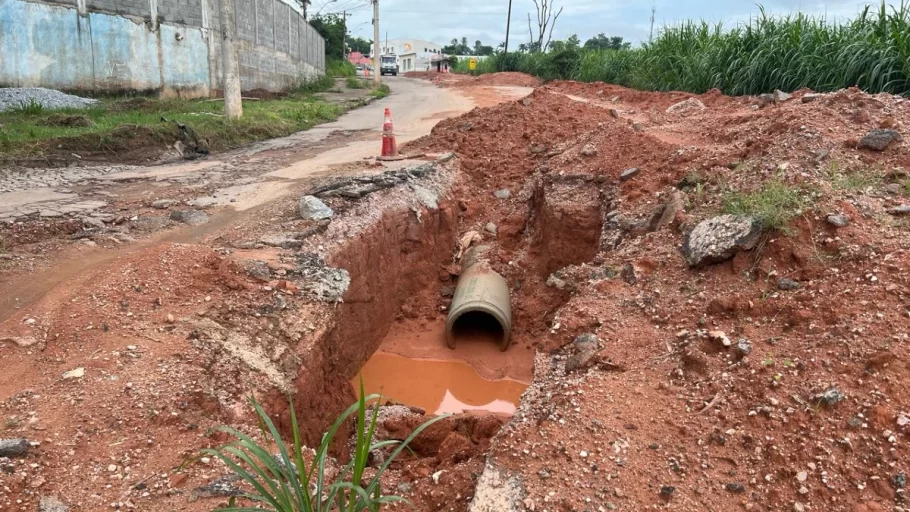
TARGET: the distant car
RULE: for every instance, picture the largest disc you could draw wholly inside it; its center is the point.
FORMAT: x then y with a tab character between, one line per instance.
388	66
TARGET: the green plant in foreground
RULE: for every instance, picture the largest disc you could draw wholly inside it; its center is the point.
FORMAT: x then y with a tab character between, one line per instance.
355	83
381	92
773	205
287	482
32	107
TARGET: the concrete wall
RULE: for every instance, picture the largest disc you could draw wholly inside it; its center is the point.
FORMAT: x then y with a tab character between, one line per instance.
167	46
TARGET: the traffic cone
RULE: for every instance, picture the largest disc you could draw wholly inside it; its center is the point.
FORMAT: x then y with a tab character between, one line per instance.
389	145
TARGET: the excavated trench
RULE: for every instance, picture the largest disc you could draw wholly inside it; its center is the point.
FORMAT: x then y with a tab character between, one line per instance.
389	331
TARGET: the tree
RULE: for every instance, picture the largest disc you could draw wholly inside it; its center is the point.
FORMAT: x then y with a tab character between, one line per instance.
359	44
331	27
546	18
602	42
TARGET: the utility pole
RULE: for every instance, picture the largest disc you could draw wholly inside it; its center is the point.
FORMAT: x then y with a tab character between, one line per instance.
377	60
233	107
344	34
508	24
651	35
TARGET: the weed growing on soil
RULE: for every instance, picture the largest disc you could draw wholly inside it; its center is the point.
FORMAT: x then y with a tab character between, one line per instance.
381	92
355	83
773	206
29	108
286	482
339	68
856	180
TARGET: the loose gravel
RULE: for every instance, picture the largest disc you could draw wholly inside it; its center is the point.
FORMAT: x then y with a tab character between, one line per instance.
12	97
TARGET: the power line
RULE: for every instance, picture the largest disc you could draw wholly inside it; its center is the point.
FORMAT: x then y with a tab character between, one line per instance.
449	12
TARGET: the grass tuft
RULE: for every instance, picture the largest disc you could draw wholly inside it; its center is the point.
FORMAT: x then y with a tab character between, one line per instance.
380	92
294	479
352	82
773	206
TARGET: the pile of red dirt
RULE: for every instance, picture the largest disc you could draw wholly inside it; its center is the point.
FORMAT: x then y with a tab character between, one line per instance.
506	78
769	381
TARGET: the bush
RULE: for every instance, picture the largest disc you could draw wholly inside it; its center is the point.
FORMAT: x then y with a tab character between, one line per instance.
340	68
355	83
289	482
319	84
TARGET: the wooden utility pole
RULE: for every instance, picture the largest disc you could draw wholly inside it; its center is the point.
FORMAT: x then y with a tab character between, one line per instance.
377	60
508	24
233	107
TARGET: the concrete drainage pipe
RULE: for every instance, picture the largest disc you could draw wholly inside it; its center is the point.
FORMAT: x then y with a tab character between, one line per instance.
481	296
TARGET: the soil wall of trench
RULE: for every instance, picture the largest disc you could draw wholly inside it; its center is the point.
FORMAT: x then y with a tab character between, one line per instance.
393	260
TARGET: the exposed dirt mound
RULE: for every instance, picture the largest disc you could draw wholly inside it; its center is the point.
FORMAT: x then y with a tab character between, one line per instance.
507	78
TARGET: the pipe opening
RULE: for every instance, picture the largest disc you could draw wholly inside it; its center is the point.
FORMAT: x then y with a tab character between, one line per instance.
477	327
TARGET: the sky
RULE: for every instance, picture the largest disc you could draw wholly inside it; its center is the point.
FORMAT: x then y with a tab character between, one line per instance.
441	21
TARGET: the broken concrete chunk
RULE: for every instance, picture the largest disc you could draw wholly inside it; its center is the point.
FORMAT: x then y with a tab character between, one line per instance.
490	228
838	221
686	106
903	209
77	373
878	139
191	217
780	96
163	204
13	447
719	238
311	208
502	193
742	348
51	504
283	241
628	174
426	197
220	488
588	150
586	347
720	338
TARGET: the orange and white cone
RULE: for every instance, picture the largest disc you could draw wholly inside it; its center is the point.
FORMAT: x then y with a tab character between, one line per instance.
389	145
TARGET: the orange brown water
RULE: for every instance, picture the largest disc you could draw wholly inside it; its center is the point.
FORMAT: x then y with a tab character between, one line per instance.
413	366
438	386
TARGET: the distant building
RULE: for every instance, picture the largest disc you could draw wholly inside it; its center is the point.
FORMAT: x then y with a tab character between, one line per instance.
356	58
417	53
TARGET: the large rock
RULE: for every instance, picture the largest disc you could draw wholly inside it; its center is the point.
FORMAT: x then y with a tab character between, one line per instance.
720	238
13	447
191	217
311	208
686	106
878	139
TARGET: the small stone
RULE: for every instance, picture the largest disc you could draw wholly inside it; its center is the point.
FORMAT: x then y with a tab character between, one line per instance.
614	113
879	139
838	220
205	460
490	228
588	150
112	468
743	348
799	507
502	193
666	491
169	319
831	397
899	481
903	209
735	488
810	97
13	447
435	476
527	101
628	174
787	284
220	488
51	504
543	474
312	208
803	490
780	96
163	204
720	337
191	217
583	454
627	274
802	476
77	373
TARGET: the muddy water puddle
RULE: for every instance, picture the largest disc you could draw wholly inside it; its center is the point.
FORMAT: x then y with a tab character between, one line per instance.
413	366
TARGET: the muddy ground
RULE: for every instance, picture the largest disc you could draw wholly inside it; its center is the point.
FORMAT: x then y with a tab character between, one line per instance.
676	362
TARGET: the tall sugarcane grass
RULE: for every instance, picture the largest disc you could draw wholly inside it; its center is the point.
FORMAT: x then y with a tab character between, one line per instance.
768	52
293	482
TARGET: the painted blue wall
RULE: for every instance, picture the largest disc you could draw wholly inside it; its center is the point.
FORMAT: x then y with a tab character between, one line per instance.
53	46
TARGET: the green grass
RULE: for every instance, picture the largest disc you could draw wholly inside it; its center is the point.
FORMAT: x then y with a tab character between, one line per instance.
294	479
353	82
768	52
340	68
773	206
119	124
856	180
380	92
